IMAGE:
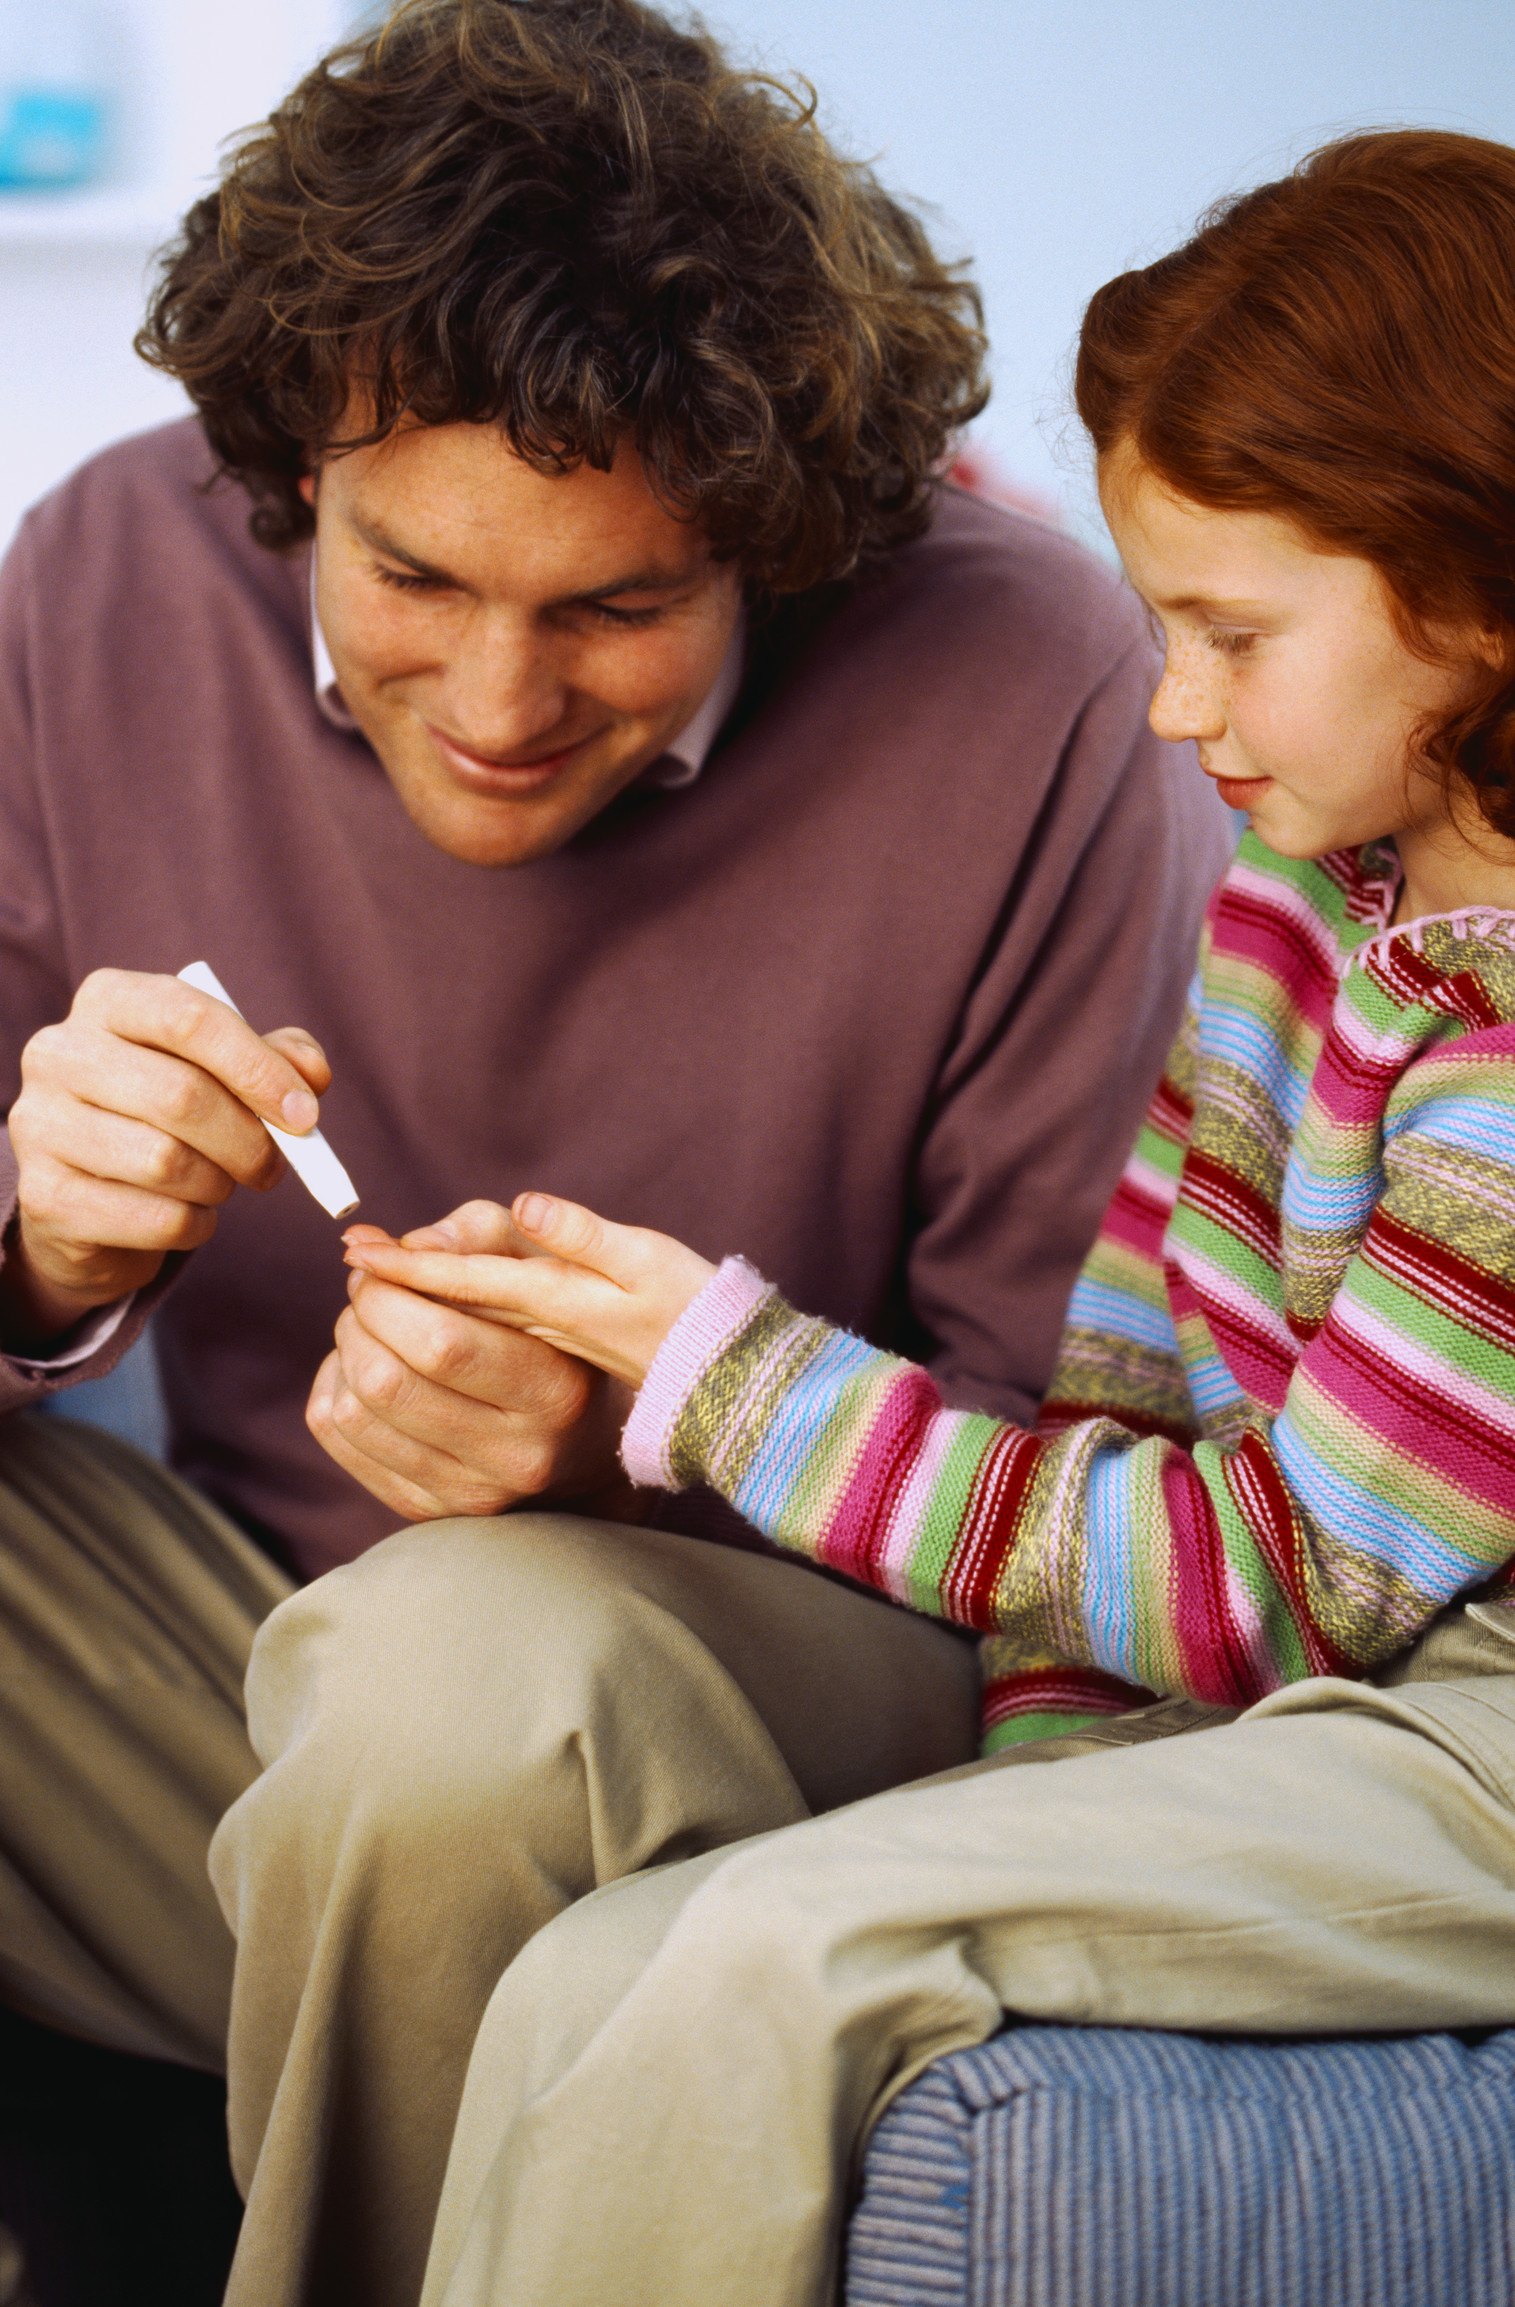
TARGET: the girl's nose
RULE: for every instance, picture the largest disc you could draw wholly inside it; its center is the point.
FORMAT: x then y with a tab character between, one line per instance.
1187	700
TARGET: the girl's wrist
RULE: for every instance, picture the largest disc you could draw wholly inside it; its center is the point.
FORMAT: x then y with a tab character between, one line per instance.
707	1325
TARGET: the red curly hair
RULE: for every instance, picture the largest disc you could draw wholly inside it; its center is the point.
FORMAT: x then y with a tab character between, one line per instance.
1339	348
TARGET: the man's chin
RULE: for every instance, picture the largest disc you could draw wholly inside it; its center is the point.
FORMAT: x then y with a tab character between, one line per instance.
477	831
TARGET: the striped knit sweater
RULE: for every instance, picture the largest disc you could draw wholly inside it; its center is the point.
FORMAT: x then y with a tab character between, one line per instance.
1280	1435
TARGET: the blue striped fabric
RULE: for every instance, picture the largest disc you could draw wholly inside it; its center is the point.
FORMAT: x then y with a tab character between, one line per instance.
1101	2167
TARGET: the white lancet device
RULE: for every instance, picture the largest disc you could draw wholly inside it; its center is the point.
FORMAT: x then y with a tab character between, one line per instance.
310	1157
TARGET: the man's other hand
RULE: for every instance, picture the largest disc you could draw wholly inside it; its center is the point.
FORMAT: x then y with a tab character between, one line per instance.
440	1411
138	1116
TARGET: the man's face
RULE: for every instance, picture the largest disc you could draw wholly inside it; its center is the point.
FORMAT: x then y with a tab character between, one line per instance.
516	647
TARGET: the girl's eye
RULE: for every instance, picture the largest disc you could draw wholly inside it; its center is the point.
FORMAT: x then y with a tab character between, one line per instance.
1228	642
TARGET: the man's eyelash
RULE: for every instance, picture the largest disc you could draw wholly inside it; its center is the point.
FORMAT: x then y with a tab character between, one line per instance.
613	616
1230	644
411	581
404	580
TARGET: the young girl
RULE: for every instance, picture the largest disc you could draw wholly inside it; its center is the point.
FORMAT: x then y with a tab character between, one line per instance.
1280	1439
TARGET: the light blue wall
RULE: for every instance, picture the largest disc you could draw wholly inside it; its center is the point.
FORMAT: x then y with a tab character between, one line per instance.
1063	140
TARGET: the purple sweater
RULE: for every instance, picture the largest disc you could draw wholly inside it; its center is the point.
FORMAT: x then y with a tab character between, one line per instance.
879	999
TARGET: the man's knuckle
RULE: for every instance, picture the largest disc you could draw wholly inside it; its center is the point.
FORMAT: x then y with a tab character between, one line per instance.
415	1505
184	1010
446	1348
58	1197
166	1161
476	1490
41	1058
197	1224
564	1390
271	1077
347	1414
98	990
486	1500
532	1467
384	1384
25	1127
184	1100
176	1225
263	1165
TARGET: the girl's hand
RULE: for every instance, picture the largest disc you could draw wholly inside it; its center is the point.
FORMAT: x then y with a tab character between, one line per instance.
609	1294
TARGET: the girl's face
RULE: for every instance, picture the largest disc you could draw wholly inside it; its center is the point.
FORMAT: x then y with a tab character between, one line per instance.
1284	665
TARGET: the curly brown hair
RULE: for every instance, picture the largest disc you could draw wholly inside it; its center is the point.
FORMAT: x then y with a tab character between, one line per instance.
576	221
1339	347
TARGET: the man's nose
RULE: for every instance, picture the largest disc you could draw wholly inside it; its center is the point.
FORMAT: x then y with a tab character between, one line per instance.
503	689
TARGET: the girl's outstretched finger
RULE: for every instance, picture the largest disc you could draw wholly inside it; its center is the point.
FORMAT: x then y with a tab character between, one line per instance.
658	1275
515	1289
575	1234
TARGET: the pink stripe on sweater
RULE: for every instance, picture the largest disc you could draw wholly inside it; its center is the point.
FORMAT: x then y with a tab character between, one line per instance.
1219	1661
858	1524
1136	1219
907	1518
1278	932
701	1334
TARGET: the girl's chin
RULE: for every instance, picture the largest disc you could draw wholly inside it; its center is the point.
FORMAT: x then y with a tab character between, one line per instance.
1290	833
1266	809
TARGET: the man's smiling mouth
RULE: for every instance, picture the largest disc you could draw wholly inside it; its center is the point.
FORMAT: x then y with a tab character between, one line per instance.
522	773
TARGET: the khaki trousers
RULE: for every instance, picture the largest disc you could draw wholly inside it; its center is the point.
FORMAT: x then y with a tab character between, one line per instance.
463	1732
669	2091
128	1606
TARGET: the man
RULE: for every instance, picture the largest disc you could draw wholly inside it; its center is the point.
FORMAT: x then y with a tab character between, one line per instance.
651	783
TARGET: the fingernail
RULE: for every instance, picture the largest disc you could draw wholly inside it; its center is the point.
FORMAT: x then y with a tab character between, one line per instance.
300	1111
534	1213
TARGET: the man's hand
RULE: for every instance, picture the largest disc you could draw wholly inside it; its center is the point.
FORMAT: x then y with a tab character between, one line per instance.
138	1116
439	1408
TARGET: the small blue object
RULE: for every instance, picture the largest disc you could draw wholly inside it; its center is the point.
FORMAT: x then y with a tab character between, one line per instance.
1111	2167
49	137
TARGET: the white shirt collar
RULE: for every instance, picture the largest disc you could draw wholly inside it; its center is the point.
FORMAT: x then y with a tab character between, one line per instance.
678	764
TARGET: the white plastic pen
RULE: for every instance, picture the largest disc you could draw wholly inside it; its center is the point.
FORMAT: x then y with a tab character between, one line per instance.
310	1157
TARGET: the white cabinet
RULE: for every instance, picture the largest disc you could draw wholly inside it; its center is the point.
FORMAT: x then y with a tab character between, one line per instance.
183	75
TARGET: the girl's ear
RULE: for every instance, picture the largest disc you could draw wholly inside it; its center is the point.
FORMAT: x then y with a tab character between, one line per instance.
1496	649
1467	648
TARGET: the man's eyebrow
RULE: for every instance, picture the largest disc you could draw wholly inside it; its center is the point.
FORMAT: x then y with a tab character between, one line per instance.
378	541
652	578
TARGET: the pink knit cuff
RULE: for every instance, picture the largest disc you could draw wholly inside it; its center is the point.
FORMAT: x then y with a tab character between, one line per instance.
698	1338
